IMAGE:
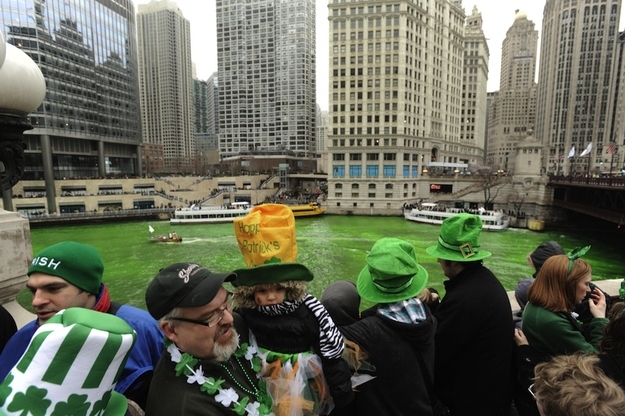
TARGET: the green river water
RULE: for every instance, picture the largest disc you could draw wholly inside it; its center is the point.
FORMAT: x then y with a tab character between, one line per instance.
333	247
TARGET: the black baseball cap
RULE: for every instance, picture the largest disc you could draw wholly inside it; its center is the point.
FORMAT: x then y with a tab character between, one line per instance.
185	285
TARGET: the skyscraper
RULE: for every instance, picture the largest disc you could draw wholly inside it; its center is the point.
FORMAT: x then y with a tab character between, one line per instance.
200	105
576	82
474	83
395	101
266	65
513	110
166	83
88	124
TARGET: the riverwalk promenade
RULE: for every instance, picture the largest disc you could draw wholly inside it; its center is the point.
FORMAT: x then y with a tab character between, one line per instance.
22	316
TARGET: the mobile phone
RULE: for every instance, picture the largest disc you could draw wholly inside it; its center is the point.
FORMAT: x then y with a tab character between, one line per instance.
592	287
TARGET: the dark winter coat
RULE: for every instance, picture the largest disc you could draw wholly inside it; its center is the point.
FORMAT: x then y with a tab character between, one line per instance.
474	341
400	384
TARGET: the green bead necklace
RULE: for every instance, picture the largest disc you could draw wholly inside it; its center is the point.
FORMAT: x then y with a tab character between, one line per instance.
256	391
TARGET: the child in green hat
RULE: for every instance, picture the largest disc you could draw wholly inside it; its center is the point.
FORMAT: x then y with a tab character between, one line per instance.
299	345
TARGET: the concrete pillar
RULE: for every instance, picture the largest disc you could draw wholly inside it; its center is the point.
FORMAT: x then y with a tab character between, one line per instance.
15	254
101	159
48	172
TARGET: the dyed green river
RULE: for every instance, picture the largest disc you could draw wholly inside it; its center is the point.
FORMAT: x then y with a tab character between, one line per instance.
333	247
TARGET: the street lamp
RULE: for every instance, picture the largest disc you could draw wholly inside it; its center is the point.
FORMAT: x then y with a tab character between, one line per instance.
23	90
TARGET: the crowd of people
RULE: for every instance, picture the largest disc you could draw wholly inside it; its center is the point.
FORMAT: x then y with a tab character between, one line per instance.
253	341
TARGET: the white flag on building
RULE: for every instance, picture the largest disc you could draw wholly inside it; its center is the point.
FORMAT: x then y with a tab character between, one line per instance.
571	152
587	150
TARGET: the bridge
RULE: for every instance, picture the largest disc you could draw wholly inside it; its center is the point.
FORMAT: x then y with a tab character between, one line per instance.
601	197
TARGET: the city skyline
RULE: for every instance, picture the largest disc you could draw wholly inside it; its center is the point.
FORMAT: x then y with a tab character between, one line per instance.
497	18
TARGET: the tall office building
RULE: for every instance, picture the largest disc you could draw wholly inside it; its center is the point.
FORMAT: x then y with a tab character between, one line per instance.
266	65
474	83
213	104
614	155
322	140
200	105
88	124
395	100
166	83
576	82
513	110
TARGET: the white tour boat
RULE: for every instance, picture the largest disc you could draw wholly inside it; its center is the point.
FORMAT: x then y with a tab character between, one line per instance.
211	213
431	213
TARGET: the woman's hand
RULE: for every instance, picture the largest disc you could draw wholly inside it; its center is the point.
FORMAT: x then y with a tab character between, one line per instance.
519	338
597	304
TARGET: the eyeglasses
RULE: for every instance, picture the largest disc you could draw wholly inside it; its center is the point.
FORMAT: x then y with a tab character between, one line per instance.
531	390
214	318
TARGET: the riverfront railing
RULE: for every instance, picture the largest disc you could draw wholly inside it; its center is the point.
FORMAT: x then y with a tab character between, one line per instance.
618	181
122	213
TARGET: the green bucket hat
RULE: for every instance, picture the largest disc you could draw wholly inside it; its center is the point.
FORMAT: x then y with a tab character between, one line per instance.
392	272
70	367
266	238
458	239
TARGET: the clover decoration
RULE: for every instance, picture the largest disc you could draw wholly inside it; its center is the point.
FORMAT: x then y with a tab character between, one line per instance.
575	254
185	364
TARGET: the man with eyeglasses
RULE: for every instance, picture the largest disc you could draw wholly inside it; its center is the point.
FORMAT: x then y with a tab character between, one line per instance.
204	370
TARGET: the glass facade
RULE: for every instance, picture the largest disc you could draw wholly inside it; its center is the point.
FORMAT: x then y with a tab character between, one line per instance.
267	78
86	50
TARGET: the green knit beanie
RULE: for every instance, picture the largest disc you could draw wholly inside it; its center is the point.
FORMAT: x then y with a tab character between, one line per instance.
79	264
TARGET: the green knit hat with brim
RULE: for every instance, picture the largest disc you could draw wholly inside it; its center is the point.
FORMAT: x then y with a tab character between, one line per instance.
71	367
79	264
459	239
266	238
392	273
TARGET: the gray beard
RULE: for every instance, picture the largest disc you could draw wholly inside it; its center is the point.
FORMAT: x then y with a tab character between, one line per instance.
223	351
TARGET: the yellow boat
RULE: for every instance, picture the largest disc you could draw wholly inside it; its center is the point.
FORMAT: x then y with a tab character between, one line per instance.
307	210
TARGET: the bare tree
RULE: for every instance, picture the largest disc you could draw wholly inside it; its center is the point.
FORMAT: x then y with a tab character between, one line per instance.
491	181
516	199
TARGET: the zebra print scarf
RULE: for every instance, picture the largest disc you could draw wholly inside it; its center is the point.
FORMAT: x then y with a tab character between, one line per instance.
330	340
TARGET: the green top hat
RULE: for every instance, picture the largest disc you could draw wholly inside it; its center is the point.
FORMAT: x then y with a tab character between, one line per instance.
458	239
71	367
392	272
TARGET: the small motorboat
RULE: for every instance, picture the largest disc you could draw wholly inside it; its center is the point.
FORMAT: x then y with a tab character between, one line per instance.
170	238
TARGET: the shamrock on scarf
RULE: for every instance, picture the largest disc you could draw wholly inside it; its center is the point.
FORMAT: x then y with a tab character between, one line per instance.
5	389
33	401
76	405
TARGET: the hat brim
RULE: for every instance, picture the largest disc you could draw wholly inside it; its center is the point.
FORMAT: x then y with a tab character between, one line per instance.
368	291
117	405
443	253
206	290
203	293
272	273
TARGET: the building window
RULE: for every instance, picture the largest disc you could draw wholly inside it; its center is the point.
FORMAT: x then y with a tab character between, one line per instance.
389	171
372	171
338	186
355	171
373	156
339	171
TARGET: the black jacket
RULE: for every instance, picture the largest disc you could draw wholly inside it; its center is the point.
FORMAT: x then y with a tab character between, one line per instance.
399	388
299	332
474	341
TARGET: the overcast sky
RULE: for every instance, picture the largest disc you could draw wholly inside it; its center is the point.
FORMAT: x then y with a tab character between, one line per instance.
497	15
